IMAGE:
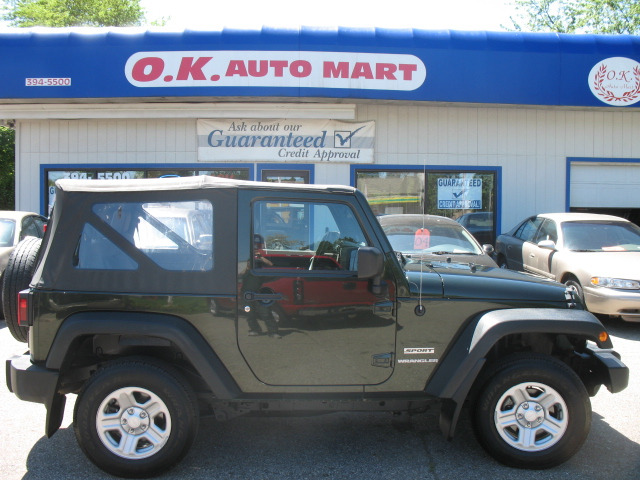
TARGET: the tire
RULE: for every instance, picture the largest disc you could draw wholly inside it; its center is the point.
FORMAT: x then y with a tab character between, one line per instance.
533	412
573	282
17	276
148	435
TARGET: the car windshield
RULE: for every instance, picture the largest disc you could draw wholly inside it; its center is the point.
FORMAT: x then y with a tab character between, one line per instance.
596	236
433	239
7	231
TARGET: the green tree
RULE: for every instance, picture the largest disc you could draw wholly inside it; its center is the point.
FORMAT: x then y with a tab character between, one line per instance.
75	13
578	16
7	167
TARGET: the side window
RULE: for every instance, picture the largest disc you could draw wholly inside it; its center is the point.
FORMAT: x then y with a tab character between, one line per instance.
306	236
177	236
97	252
528	229
548	231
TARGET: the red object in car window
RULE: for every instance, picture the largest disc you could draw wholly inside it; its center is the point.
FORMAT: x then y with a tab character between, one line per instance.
421	239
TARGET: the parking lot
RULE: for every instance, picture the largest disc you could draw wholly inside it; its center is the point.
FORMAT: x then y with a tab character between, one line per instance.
335	446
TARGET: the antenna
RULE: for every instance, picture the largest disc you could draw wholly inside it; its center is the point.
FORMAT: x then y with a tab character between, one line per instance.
420	309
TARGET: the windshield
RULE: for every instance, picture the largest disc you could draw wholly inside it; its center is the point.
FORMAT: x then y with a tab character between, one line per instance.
7	231
435	239
601	236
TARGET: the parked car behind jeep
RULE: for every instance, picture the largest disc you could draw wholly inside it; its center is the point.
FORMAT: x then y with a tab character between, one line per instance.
597	255
434	238
152	327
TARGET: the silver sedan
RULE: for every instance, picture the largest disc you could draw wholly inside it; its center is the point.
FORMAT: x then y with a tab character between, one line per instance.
599	255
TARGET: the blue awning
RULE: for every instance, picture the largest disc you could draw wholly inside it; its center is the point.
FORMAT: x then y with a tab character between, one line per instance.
340	63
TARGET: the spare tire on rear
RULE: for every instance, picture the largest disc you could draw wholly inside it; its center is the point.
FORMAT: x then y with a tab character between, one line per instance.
17	276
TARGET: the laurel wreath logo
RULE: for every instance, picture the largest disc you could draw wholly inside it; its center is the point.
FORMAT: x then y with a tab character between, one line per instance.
608	95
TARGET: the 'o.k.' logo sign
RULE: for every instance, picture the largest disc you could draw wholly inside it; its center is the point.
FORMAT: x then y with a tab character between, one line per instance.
616	81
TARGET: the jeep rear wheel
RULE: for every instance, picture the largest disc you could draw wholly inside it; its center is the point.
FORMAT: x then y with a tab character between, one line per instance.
17	276
533	412
136	418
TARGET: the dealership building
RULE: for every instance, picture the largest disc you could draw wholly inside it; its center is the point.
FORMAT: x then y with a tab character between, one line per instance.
495	126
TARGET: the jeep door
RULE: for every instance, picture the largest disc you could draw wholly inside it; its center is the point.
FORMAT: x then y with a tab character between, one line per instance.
305	317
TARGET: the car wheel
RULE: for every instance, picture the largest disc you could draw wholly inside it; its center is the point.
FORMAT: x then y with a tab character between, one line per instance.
533	412
135	418
17	276
575	284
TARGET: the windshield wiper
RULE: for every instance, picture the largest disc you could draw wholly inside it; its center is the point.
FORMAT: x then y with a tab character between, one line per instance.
448	253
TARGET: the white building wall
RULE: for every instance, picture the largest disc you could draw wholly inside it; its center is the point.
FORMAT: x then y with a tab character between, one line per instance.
530	144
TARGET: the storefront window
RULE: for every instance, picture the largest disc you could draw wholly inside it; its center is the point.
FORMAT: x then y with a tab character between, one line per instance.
392	192
285	176
468	197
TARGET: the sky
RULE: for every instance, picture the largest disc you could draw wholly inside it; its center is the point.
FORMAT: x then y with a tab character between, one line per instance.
424	14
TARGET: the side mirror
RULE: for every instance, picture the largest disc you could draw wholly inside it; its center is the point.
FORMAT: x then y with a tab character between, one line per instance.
371	266
548	244
488	249
370	262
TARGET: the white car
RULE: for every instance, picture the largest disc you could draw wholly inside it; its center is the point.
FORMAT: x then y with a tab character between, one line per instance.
599	255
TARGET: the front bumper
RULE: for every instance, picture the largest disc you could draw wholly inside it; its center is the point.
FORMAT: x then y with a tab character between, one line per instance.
610	301
607	369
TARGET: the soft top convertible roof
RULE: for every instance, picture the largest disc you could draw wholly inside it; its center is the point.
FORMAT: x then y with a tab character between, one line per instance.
185	183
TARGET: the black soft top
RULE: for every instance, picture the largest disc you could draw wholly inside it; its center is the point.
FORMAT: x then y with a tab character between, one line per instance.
74	209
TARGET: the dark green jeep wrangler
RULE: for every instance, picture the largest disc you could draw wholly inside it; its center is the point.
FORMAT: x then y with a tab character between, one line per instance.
159	301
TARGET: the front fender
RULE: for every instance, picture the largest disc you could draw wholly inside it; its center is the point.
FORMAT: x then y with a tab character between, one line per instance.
459	369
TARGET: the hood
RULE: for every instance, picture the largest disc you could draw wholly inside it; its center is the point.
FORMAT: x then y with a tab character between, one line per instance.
460	281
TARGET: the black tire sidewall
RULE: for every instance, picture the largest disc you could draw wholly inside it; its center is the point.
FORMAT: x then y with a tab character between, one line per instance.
163	381
553	374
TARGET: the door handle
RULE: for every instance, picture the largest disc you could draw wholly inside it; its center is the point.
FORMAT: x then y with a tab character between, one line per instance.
262	296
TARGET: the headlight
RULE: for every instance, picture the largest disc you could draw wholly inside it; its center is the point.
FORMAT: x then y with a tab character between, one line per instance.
619	283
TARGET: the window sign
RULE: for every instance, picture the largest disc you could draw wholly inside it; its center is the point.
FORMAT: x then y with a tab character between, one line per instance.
461	191
118	175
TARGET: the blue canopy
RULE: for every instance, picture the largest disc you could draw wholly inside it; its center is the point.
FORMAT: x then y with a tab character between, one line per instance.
339	63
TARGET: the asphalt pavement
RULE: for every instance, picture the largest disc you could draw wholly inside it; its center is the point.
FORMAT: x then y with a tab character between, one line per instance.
336	446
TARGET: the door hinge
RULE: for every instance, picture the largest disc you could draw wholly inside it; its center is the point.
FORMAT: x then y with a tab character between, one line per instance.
383	360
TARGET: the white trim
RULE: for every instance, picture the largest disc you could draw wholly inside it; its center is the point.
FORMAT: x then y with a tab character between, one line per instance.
178	110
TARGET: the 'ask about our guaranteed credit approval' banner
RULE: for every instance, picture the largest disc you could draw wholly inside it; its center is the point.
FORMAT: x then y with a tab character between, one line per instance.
285	140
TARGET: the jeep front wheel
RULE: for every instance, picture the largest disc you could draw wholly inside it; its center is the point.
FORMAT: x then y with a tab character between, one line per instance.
533	412
135	418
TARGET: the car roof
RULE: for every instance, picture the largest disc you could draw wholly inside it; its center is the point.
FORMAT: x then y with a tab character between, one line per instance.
577	217
15	215
185	183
